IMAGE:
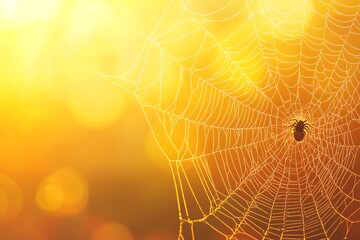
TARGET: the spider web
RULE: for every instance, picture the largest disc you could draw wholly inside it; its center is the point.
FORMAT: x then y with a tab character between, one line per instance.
219	83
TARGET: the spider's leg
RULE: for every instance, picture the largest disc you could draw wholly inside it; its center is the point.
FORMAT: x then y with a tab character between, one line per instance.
307	130
294	119
290	127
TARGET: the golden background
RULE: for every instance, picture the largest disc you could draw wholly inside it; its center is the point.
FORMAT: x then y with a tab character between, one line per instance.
78	155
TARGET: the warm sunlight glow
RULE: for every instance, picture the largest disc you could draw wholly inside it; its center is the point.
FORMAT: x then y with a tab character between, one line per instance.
176	119
27	11
64	192
87	19
95	103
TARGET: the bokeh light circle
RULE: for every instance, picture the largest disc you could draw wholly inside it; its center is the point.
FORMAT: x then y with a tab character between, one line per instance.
10	199
65	192
112	231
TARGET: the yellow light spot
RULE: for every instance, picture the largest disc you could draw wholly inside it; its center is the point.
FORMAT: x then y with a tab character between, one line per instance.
95	103
10	199
50	197
112	231
64	192
27	11
88	18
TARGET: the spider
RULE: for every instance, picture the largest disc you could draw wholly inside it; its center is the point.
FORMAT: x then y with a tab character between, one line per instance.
300	128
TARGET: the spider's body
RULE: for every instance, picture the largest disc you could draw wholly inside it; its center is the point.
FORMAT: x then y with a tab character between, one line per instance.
300	129
300	126
299	135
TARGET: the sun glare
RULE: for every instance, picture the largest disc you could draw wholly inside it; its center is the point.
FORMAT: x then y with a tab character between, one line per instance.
27	11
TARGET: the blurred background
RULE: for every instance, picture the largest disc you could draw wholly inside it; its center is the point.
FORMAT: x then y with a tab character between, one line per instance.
77	158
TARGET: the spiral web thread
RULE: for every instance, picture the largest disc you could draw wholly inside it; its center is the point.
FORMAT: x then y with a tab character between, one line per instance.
219	82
